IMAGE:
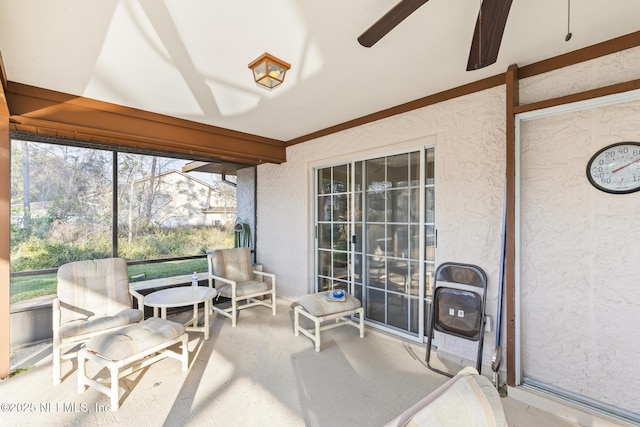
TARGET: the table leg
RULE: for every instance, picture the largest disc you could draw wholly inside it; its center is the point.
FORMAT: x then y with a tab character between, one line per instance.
164	312
195	315
207	303
155	311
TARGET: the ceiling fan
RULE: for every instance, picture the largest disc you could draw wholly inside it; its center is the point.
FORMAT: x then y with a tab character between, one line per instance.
487	36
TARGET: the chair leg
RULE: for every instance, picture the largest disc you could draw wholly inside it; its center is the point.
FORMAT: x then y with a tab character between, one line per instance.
82	365
317	322
57	355
273	302
296	322
234	316
234	311
115	388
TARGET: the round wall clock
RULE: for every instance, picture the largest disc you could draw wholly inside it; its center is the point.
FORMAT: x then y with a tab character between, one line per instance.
616	168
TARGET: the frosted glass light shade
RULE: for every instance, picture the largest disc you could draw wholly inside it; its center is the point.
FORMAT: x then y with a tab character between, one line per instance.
269	71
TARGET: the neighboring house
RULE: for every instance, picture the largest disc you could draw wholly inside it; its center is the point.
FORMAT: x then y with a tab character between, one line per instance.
179	199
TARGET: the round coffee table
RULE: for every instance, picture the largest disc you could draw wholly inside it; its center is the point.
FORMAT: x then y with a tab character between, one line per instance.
180	297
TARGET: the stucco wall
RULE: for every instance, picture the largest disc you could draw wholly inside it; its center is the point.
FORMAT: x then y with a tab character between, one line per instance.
580	251
581	259
246	200
468	134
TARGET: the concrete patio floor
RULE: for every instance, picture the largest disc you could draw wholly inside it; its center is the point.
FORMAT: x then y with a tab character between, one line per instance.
257	374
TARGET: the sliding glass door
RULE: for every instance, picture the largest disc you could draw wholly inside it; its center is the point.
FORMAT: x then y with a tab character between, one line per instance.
333	228
376	236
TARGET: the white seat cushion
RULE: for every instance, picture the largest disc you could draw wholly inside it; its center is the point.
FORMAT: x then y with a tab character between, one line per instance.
318	305
96	324
250	287
134	339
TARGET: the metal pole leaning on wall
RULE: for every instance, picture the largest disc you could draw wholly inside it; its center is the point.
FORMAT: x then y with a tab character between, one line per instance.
496	358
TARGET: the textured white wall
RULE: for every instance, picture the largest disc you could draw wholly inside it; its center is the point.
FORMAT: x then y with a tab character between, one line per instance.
246	200
581	259
607	70
580	251
469	137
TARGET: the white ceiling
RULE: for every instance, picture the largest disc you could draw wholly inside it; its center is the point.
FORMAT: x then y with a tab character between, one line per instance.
188	58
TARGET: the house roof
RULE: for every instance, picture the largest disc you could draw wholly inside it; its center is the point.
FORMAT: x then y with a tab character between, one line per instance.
180	173
222	168
189	60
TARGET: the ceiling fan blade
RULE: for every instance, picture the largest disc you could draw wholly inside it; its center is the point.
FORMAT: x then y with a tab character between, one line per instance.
389	21
488	33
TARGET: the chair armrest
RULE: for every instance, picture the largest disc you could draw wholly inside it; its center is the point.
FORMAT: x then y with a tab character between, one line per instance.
265	274
269	275
139	297
222	279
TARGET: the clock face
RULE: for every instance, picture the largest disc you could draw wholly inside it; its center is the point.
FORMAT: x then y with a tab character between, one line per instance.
616	168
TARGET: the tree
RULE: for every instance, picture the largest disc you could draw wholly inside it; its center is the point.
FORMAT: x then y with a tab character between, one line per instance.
151	191
26	194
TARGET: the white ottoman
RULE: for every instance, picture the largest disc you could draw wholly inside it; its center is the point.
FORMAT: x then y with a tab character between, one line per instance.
129	349
319	309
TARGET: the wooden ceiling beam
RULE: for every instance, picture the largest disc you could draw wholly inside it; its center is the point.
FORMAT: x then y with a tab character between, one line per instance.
598	50
53	113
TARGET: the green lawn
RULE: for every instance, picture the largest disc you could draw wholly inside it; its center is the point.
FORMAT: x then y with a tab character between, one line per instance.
23	288
28	287
166	269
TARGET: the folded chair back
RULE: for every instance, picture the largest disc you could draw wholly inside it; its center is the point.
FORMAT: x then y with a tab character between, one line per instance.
458	306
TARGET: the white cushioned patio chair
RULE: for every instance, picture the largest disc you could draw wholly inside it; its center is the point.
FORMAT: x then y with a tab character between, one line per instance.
235	277
466	400
93	298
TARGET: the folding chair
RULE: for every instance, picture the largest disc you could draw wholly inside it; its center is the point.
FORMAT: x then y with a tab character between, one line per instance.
458	306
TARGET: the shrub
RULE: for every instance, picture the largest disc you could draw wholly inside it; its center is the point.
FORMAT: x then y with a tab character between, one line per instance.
35	254
75	242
